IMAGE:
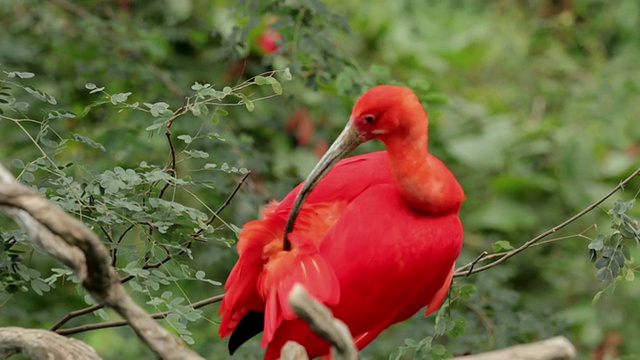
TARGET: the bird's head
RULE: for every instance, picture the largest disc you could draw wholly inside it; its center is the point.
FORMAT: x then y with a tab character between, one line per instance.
388	111
385	112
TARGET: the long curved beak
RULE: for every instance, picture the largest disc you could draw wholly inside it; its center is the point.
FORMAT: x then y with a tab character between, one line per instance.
346	142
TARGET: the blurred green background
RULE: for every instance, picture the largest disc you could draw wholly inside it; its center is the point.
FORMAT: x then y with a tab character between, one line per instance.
533	105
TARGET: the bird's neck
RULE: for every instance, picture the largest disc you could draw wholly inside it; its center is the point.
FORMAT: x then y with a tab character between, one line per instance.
424	181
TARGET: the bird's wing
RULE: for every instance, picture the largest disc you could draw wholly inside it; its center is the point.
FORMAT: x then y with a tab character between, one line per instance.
390	260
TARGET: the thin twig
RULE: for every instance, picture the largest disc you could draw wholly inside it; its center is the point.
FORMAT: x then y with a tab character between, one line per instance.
462	271
474	262
112	324
171	167
74	314
226	202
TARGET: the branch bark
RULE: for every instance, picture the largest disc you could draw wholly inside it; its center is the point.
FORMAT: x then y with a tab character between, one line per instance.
43	345
556	348
322	322
71	242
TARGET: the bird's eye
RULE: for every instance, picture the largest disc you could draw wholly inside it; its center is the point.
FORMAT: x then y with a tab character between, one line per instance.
368	119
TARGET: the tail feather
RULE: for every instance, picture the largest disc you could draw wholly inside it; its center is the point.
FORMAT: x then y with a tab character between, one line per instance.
251	325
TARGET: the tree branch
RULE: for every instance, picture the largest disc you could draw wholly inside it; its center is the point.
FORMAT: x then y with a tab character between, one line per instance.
556	348
469	269
323	323
42	345
71	242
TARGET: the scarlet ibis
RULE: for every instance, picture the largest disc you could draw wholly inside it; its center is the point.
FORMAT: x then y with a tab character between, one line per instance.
376	239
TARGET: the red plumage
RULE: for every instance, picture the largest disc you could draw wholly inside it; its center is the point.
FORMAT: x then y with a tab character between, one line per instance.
357	246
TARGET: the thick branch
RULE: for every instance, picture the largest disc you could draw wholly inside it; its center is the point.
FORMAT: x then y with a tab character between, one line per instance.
293	351
323	323
68	240
42	345
556	348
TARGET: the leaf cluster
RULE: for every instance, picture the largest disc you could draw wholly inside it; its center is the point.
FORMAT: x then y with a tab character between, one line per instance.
610	252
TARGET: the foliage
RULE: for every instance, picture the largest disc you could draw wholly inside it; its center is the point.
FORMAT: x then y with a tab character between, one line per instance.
610	252
126	114
142	229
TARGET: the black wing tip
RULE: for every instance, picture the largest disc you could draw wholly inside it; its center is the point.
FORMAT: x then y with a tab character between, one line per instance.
251	325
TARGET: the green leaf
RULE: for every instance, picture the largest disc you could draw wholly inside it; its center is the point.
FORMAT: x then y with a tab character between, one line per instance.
597	243
85	140
157	109
155	302
60	114
597	297
287	74
605	275
198	154
186	138
501	245
459	327
397	353
466	290
28	177
158	123
438	351
248	103
188	339
630	275
276	86
21	74
17	163
119	98
261	80
21	106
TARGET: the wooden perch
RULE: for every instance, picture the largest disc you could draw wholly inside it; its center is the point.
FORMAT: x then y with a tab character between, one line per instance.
67	239
322	322
556	348
42	345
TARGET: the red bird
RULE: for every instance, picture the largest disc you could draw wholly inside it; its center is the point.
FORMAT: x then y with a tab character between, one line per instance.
376	239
